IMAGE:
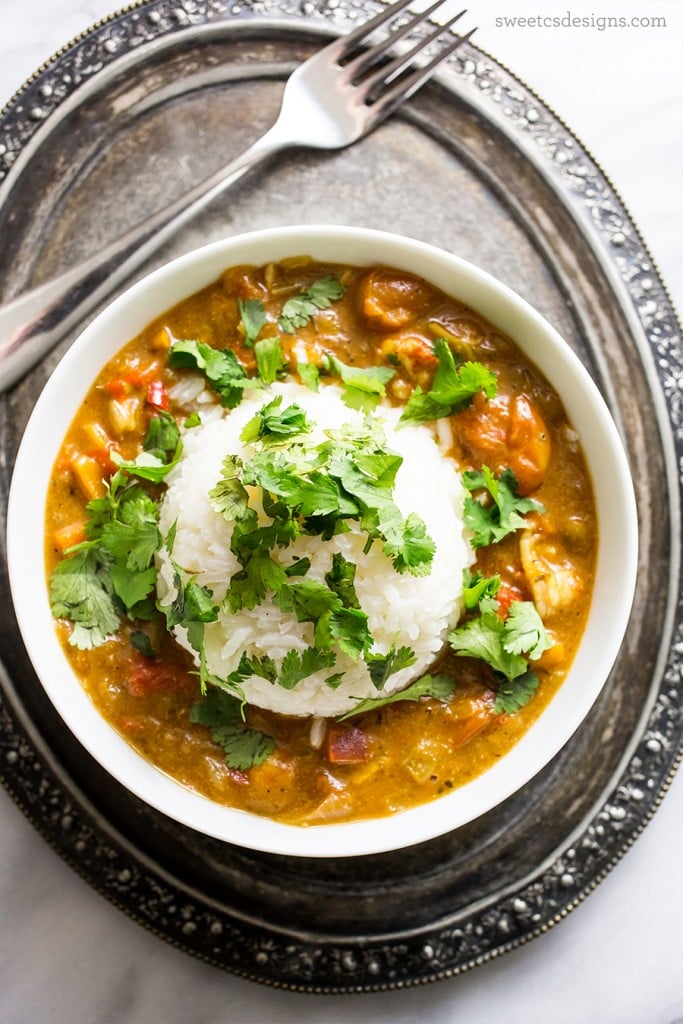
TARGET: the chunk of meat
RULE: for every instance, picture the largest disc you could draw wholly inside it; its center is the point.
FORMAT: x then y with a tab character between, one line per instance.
412	351
507	431
554	582
390	300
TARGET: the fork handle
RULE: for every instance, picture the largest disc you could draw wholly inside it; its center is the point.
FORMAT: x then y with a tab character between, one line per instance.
33	323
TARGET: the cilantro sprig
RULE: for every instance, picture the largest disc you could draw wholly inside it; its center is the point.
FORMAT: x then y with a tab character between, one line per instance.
222	714
299	309
221	367
507	644
501	509
363	385
440	687
452	389
112	573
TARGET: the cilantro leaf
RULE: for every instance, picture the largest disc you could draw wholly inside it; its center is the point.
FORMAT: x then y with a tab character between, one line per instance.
163	437
340	579
298	310
440	687
81	590
299	665
132	587
347	627
243	747
416	550
253	665
147	465
505	645
452	388
476	587
484	637
272	425
253	317
249	586
141	642
381	666
491	522
133	537
513	694
192	603
525	632
229	497
310	375
223	371
363	386
269	359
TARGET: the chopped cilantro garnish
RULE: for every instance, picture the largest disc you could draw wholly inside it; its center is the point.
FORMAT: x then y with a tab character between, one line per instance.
381	666
310	375
221	367
440	687
81	590
112	572
298	665
363	386
270	360
452	388
229	497
504	644
141	642
298	310
253	317
490	522
222	713
476	586
272	424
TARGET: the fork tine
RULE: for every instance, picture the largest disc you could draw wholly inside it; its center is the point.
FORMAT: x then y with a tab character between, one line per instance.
384	102
364	61
348	42
389	71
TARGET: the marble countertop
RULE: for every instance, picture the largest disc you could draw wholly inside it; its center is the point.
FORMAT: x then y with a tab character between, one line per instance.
66	955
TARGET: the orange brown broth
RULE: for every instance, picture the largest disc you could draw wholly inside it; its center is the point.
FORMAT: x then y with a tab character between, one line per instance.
417	751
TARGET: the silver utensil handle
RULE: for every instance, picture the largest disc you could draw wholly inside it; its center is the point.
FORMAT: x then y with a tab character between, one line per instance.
33	323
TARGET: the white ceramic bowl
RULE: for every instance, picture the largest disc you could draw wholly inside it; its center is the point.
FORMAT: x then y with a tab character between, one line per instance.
616	568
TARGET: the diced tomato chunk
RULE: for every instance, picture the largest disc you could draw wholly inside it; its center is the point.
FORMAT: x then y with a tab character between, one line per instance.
506	596
151	675
347	745
157	395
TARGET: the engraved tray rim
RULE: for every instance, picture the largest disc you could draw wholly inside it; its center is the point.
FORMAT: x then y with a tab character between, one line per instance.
123	875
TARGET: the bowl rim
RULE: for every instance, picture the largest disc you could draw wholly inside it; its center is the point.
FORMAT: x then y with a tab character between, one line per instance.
608	467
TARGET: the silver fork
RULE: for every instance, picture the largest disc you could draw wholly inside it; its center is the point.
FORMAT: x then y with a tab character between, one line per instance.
331	100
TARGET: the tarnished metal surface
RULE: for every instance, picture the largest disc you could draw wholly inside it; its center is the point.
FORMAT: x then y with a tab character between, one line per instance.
124	120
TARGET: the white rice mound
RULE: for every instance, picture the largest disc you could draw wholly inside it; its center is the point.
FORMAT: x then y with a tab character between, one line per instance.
402	609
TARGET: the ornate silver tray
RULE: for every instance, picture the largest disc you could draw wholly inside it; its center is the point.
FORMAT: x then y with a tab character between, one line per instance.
122	120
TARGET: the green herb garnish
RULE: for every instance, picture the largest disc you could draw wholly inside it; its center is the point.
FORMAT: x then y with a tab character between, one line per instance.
501	510
440	687
270	360
452	388
221	367
363	386
243	747
506	645
111	573
298	310
253	317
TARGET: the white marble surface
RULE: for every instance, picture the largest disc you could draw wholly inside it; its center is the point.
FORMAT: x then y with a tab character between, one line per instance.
66	955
